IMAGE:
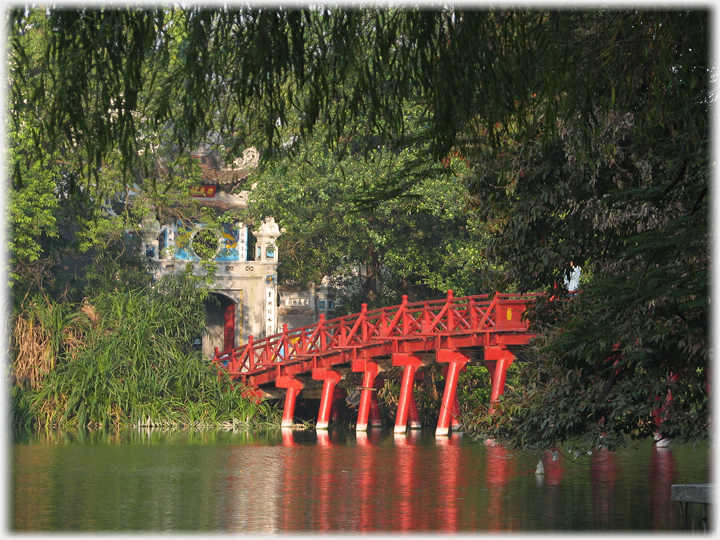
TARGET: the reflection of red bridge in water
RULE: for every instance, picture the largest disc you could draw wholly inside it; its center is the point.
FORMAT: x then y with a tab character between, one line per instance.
367	347
440	484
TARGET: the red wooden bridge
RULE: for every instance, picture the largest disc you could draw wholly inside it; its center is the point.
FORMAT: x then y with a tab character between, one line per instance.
362	349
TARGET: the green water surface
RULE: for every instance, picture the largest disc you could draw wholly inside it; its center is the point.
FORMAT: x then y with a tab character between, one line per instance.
275	482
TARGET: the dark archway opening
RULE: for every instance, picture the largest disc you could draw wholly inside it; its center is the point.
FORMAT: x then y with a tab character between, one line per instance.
221	317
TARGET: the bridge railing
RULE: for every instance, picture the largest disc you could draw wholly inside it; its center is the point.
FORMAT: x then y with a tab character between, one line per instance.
470	314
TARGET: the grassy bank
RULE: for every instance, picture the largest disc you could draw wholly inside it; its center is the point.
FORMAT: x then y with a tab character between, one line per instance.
122	358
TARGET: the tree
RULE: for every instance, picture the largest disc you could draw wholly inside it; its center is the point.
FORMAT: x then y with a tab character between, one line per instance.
622	194
420	244
174	67
66	198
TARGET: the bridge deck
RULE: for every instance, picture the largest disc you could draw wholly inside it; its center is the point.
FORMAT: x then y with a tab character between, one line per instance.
469	324
409	337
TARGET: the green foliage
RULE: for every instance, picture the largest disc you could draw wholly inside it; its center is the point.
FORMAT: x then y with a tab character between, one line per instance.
198	68
43	333
33	203
72	189
421	244
136	367
474	386
117	266
619	190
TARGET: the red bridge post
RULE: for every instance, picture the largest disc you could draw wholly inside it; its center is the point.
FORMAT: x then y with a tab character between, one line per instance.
413	415
455	424
293	389
455	416
497	361
330	378
411	363
375	416
339	394
658	413
456	361
371	371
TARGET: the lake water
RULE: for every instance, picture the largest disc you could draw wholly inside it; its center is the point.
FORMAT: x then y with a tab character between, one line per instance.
283	481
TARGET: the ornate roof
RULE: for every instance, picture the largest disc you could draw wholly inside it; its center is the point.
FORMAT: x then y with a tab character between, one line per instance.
215	171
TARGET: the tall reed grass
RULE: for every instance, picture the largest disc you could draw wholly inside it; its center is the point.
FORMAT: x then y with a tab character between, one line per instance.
43	332
131	364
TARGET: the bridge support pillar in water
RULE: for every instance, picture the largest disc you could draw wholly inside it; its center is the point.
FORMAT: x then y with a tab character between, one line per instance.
413	415
497	361
658	414
330	378
455	424
339	394
293	389
368	390
456	361
375	417
411	363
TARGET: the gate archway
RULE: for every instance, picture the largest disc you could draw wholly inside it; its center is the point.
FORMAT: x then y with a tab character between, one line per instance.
223	323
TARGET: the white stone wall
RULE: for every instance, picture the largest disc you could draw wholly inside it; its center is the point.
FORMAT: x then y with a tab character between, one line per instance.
252	285
261	309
